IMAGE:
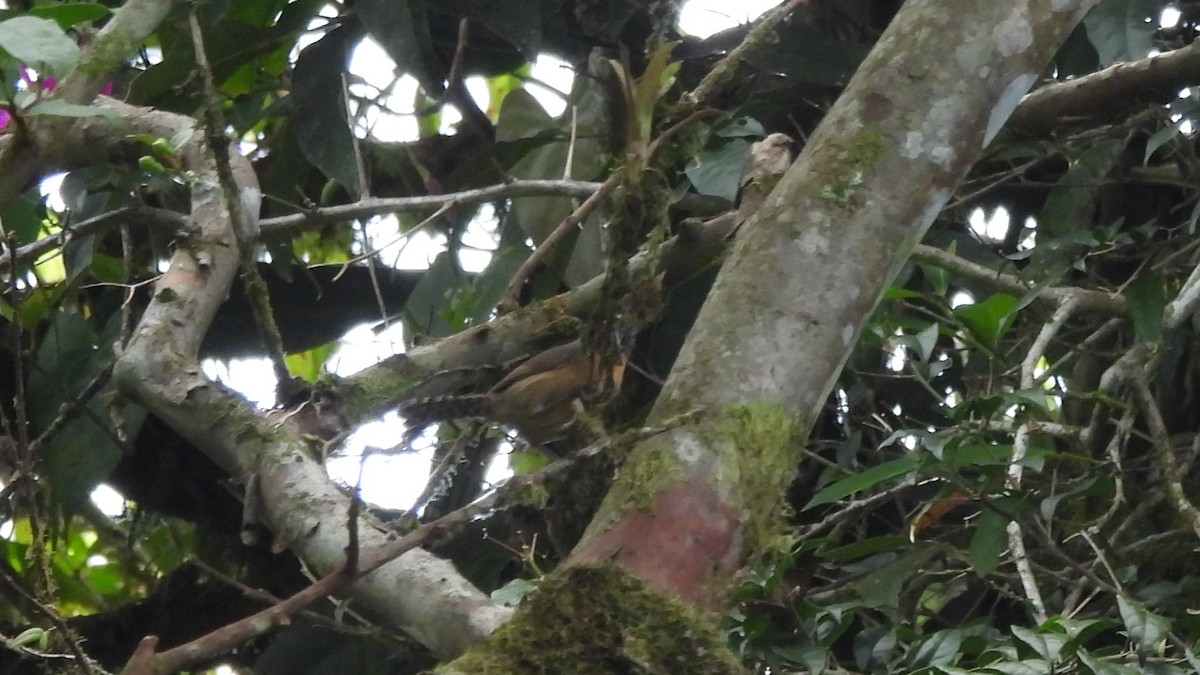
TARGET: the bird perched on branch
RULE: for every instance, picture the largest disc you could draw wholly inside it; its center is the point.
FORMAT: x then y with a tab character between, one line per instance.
539	398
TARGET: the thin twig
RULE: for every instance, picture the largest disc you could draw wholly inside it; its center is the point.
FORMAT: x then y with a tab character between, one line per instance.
162	218
512	292
233	634
725	70
1166	454
82	662
245	229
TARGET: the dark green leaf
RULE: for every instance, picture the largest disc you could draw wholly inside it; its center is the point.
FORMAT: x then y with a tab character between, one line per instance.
1146	301
881	587
67	15
1077	56
938	649
22	217
1162	136
866	547
872	646
989	320
988	542
1122	30
1146	629
322	125
402	29
864	480
1105	666
813	658
519	22
425	312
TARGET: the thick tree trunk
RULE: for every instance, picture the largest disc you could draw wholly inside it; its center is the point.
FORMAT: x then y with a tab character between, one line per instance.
692	504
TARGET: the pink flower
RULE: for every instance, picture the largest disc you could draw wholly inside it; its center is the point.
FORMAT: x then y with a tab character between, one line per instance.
5	117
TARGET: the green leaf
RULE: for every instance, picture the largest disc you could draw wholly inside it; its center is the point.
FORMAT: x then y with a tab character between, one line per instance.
873	646
990	319
988	542
39	43
1119	29
401	27
22	217
1146	629
518	22
525	462
1048	645
1160	137
30	637
881	587
719	172
939	649
1023	667
865	479
740	128
511	594
814	658
926	340
309	365
1146	301
1103	666
424	313
1086	487
654	81
976	454
72	14
322	125
865	547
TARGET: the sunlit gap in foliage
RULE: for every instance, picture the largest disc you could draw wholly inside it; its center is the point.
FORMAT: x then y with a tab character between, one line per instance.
395	103
702	18
1055	385
960	298
898	356
392	474
1170	17
953	397
1185	125
316	30
6	526
110	502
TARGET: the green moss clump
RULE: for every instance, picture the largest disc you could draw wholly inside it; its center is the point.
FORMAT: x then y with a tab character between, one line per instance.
857	160
597	620
643	476
760	470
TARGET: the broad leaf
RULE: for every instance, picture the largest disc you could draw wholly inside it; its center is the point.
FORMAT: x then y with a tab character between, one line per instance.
39	43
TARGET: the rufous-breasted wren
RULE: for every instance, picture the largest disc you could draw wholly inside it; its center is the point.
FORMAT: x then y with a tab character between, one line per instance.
539	398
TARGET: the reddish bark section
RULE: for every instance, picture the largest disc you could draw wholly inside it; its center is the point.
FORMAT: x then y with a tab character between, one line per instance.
688	544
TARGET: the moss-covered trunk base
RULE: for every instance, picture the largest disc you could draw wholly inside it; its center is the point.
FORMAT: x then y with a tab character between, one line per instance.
597	620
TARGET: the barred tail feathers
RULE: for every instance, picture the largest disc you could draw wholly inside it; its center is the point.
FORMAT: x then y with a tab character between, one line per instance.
443	408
